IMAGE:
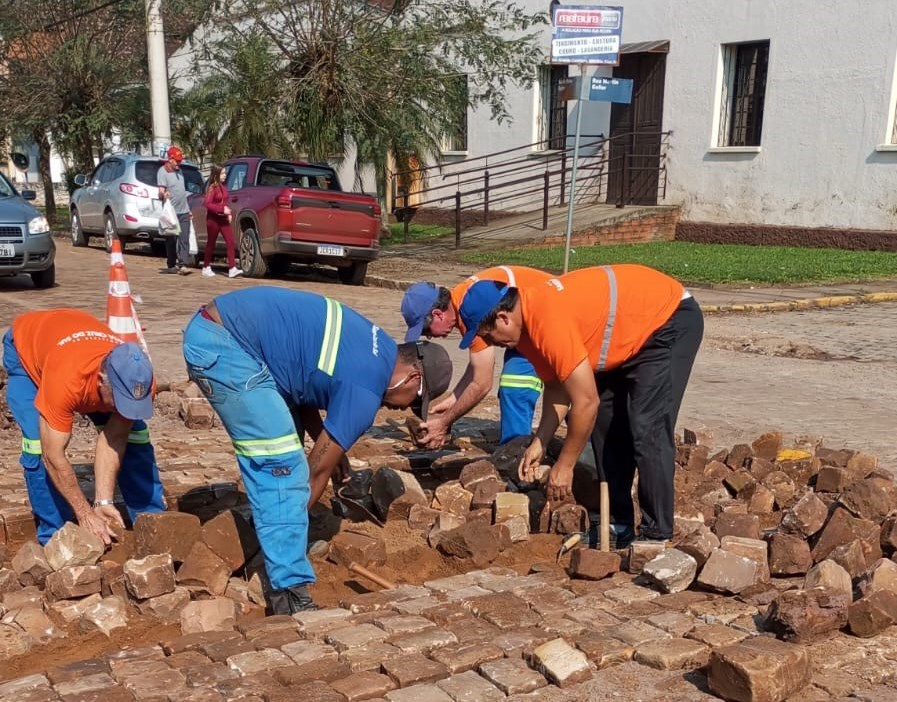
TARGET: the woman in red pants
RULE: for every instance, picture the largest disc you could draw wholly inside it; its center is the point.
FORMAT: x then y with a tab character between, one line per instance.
218	219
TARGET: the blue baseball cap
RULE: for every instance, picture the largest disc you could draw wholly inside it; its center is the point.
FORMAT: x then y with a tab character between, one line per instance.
131	375
480	300
417	303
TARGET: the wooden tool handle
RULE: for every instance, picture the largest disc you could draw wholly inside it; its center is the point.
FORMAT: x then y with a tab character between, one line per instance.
605	517
373	577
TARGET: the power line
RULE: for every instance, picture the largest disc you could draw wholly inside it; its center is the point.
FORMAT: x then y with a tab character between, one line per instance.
83	13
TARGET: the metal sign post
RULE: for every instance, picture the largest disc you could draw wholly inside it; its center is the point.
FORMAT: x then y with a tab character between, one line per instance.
581	95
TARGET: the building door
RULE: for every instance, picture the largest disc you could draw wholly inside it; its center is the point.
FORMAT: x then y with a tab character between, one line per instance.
635	131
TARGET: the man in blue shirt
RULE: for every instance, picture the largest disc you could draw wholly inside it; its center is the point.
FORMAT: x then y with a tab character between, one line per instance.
268	359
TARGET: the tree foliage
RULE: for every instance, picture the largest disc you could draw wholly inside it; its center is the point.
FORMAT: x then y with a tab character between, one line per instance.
377	77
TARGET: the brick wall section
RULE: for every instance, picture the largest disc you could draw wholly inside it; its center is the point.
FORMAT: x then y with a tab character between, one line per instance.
638	228
756	235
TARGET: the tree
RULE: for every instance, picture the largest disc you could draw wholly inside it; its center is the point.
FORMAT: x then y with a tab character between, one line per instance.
377	76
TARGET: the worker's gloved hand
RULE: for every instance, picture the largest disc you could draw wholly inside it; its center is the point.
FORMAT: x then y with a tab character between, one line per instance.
436	431
560	482
528	469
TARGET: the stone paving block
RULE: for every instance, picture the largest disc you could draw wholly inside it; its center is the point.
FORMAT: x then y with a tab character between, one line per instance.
805	517
452	582
715	635
363	686
761	669
424	641
370	657
35	623
671	570
259	661
640	552
37	694
674	654
209	674
842	528
202	694
561	663
327	671
729	573
31	565
636	633
591	564
699	545
85	684
205	570
745	525
354	636
302	652
150	576
446	613
592	617
405	624
755	549
829	575
186	659
220	652
218	614
674	623
195	641
19	686
453	498
71	582
802	616
873	613
166	532
161	684
275	638
459	658
882	575
629	594
354	547
73	545
562	627
470	542
26	597
418	693
789	555
231	538
74	671
105	616
166	608
315	624
472	630
721	610
470	687
681	601
315	692
518	643
850	557
416	606
414	668
512	676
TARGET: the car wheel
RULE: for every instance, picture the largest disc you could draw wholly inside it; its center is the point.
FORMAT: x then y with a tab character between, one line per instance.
110	234
44	279
279	265
353	274
251	260
79	238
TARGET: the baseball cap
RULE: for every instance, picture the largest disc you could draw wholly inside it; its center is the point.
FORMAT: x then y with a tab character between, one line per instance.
417	303
437	373
131	375
480	299
174	152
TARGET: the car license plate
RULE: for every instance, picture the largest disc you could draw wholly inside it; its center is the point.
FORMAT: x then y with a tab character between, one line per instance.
327	250
7	251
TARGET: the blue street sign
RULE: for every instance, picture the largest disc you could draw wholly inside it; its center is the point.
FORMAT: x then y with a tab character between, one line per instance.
586	34
610	90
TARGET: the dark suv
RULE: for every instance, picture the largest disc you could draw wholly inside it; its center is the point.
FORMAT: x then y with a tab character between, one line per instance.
121	199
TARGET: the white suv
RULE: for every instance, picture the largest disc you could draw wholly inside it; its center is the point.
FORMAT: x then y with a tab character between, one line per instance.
120	200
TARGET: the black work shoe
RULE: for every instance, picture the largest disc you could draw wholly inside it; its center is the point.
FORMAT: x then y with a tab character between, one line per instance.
290	600
169	271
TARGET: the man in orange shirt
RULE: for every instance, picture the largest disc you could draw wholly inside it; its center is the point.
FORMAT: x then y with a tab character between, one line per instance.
62	362
430	311
625	334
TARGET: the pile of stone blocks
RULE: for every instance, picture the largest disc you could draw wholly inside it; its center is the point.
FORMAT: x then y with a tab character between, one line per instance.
170	567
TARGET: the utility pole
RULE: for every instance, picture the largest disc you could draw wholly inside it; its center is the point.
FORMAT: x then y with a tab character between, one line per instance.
158	76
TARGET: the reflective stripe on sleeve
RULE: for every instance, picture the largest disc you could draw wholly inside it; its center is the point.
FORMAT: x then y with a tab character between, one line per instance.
332	330
253	448
527	382
611	315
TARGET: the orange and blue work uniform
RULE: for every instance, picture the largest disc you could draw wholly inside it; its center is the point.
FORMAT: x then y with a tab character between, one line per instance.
52	360
276	351
519	386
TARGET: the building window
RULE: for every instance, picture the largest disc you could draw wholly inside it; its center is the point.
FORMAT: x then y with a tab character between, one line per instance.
743	93
553	126
455	139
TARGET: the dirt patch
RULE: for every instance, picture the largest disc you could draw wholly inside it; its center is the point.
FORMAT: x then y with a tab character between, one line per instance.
782	348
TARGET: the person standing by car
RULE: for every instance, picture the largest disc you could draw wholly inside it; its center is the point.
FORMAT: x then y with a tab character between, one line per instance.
218	219
171	182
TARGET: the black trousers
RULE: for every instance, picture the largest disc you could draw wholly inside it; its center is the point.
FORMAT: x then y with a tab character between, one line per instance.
636	422
177	248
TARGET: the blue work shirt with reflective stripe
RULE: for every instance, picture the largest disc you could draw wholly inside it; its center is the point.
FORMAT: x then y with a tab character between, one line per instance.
343	367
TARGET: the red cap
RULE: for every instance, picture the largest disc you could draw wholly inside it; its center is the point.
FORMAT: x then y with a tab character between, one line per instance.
175	153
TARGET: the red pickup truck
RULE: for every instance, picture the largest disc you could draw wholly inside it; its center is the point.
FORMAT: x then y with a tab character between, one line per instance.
286	211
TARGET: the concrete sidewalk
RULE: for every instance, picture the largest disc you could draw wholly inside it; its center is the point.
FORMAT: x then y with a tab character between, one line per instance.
398	272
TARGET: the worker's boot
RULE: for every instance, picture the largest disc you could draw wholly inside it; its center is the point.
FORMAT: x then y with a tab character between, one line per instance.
290	600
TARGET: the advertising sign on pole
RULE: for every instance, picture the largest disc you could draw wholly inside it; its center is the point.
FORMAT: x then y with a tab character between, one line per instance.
586	34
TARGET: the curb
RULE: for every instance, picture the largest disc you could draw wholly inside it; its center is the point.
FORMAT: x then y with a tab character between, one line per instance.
812	303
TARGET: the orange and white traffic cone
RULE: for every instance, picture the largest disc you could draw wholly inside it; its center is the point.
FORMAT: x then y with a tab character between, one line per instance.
120	313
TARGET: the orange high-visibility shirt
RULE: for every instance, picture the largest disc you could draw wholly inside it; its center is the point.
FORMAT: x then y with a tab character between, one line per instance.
515	276
566	320
61	350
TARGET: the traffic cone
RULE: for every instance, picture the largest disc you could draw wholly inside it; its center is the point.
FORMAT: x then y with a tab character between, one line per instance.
120	313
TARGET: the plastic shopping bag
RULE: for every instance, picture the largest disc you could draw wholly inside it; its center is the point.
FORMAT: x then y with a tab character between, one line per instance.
194	247
168	220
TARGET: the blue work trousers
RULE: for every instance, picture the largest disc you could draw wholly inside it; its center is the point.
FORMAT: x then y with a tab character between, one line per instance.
267	445
138	476
519	389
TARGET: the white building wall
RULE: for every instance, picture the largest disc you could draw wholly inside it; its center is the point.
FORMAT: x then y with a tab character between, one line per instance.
824	159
